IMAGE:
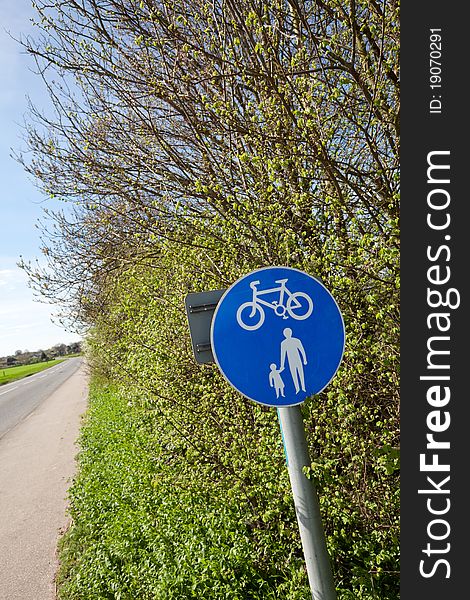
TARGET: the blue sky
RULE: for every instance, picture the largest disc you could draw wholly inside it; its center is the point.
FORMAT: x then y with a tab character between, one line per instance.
24	322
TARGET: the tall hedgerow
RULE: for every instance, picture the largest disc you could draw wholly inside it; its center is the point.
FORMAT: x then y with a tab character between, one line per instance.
197	141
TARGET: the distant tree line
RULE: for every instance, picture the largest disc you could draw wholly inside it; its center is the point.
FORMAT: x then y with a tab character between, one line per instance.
26	357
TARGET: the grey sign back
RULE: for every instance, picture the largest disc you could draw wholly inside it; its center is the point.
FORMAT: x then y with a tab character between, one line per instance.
200	307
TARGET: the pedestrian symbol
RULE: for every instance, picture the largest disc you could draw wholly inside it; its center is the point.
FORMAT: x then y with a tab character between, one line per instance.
293	350
277	335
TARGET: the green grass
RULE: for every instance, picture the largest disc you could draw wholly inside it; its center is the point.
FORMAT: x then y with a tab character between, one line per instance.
13	373
141	530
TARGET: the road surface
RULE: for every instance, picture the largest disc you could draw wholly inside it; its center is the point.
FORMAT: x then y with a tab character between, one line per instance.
39	423
19	398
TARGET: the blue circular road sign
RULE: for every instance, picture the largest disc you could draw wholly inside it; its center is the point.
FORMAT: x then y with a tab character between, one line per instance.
278	336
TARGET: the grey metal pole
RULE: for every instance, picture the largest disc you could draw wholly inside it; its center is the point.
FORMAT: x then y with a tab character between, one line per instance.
306	505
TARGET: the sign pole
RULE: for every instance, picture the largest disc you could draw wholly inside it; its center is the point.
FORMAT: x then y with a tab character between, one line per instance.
306	504
278	337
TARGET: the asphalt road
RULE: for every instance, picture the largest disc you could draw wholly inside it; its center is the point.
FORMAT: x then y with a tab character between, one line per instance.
39	420
19	398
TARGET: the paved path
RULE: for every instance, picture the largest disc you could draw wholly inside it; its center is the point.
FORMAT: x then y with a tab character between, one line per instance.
19	398
36	464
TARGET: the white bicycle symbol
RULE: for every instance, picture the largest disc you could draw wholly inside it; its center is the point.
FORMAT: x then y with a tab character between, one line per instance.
251	315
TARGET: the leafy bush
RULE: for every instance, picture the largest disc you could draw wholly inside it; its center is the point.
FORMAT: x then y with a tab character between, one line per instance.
183	491
197	142
145	527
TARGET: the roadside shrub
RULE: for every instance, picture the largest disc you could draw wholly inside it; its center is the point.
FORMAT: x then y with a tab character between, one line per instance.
144	526
182	490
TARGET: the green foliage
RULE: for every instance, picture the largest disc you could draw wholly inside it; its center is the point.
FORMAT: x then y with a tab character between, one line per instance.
211	139
146	526
13	373
219	454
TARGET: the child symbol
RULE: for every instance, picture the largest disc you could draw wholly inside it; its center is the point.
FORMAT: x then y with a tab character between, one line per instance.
275	380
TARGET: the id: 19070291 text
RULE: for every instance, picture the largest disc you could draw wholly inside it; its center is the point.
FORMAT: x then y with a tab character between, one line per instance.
435	71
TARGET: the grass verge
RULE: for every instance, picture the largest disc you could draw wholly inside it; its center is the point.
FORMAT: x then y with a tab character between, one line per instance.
142	531
9	374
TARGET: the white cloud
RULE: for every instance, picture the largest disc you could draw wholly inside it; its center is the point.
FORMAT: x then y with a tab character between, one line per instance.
24	322
10	278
